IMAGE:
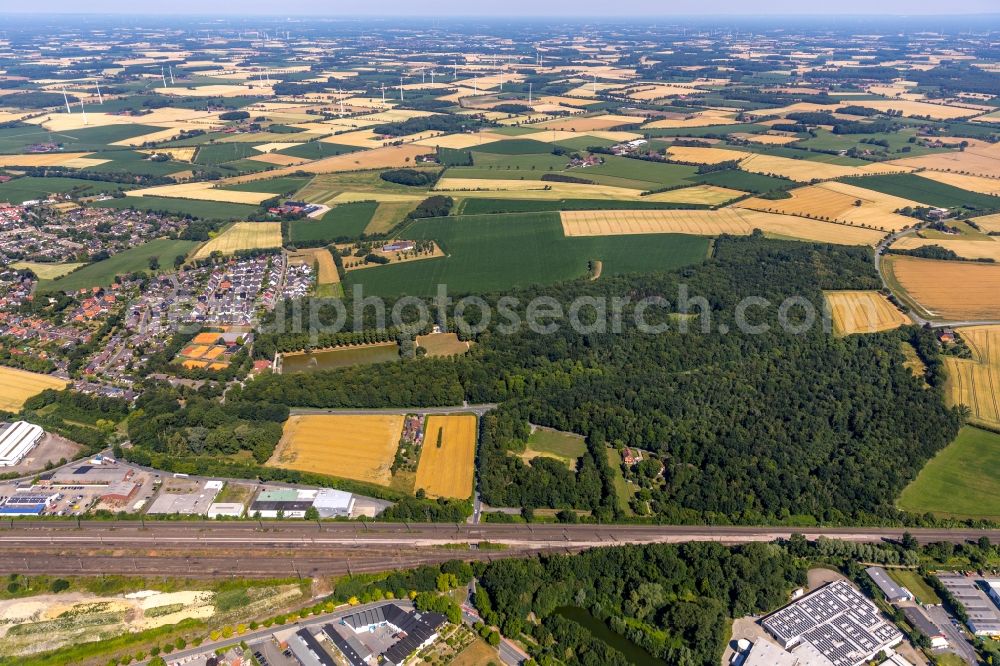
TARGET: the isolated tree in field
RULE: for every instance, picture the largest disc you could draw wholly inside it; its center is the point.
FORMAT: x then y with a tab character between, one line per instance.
440	436
154	263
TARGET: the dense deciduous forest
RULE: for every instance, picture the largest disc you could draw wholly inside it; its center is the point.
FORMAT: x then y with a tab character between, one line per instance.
673	601
772	426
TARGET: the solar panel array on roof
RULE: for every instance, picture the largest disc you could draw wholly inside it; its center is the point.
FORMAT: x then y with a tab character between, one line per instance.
838	621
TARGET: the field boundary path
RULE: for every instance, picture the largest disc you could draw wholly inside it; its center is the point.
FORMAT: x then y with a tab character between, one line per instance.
477	409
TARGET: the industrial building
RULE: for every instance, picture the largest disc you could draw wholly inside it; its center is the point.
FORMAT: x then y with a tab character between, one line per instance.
412	631
334	503
984	618
893	592
919	621
307	649
16	440
288	502
836	620
293	503
226	509
26	503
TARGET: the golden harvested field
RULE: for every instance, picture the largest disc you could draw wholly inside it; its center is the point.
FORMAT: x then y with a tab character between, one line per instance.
988	223
988	247
807	170
711	223
971	183
389	214
838	202
16	386
40	159
243	236
799	170
975	385
219	90
955	290
913	108
277	159
646	93
983	342
447	471
179	154
590	123
767	139
709	195
863	312
700	119
202	192
442	344
978	160
46	271
700	155
391	156
352	447
534	189
463	140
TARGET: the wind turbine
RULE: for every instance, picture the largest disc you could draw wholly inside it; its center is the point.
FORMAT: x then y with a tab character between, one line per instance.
341	99
66	99
401	89
84	112
100	98
529	92
432	76
594	87
423	75
164	77
455	76
383	94
170	68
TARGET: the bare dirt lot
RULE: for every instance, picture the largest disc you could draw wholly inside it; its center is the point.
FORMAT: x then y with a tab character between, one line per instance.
52	448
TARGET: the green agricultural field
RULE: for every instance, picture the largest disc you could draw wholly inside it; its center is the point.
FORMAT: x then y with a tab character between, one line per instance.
515	147
584	142
129	161
711	131
285	185
493	162
564	446
240	167
102	273
344	221
209	210
14	139
961	481
800	154
501	252
899	143
315	150
916	584
31	187
926	191
477	206
656	173
220	153
754	183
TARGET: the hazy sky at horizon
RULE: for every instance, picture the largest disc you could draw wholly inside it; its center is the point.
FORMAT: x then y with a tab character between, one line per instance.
507	8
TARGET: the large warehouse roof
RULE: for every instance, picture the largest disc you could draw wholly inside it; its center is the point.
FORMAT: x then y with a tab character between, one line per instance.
16	439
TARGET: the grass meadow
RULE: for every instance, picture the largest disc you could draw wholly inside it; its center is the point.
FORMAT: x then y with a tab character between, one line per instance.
102	273
961	481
